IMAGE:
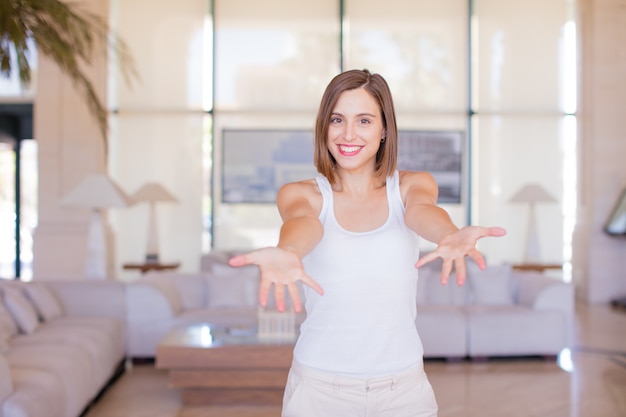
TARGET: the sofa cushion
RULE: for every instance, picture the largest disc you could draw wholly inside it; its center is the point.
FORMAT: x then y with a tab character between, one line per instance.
491	286
104	350
21	309
232	287
8	327
70	364
37	393
6	381
442	330
514	330
45	302
434	293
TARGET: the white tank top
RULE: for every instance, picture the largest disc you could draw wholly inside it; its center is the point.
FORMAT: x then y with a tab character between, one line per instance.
364	324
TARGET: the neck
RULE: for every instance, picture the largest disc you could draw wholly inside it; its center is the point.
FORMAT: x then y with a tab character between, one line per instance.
358	182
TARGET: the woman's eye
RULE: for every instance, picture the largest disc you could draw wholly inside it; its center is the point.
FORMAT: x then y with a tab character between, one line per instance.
365	121
335	120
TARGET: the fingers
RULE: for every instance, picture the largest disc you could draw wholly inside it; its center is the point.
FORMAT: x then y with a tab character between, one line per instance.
240	260
427	258
446	270
496	231
478	258
461	271
294	294
264	292
279	297
311	283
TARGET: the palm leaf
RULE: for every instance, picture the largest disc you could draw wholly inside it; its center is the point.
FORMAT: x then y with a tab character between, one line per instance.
66	35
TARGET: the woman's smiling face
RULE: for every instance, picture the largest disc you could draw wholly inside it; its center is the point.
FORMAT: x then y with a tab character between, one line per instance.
355	130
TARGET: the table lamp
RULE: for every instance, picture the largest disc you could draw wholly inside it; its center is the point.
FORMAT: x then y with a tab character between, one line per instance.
531	194
152	193
97	192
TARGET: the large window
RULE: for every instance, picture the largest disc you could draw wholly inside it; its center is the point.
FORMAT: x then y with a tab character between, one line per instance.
501	72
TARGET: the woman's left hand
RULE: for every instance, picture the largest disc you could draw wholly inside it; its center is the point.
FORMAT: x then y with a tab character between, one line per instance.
454	247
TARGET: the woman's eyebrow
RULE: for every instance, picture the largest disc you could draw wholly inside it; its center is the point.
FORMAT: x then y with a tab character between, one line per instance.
357	115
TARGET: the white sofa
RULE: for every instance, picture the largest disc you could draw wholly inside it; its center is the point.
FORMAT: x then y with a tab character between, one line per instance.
160	301
60	344
498	312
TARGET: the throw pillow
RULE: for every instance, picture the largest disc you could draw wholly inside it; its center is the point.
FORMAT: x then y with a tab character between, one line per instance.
21	309
8	327
435	292
491	286
232	287
45	302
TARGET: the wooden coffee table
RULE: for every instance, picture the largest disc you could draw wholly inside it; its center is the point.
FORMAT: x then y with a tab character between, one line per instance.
213	365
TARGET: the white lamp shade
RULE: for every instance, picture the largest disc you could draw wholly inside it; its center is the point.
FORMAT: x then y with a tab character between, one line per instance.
153	192
532	193
97	191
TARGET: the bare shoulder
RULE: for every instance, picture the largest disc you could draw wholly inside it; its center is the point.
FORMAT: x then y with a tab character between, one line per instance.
299	198
418	185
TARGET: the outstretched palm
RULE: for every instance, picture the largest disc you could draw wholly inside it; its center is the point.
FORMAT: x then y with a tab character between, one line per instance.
453	249
282	268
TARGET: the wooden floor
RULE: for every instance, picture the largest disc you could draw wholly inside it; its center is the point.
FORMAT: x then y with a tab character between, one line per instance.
587	381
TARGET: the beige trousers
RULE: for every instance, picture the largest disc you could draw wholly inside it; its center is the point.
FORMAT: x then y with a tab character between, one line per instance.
312	393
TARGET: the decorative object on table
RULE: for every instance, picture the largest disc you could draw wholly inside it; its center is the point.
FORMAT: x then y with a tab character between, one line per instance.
616	223
276	325
616	226
152	193
532	194
97	192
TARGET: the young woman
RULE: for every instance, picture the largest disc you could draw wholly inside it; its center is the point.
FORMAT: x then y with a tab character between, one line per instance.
350	236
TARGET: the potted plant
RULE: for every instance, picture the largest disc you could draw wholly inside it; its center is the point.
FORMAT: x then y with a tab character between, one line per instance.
68	36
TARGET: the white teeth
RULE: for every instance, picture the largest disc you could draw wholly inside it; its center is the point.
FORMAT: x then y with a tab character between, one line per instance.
349	149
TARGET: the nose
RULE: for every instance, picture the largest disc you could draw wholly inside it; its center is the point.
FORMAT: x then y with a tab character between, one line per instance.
349	132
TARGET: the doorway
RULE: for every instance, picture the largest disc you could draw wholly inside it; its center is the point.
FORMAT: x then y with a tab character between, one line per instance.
18	191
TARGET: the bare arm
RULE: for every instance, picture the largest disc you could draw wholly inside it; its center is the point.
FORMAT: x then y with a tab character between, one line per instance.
300	232
301	229
422	215
433	223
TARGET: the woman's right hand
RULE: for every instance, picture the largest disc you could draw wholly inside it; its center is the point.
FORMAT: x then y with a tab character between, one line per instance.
281	267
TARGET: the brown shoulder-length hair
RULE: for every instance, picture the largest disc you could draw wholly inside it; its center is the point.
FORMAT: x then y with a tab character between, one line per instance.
376	86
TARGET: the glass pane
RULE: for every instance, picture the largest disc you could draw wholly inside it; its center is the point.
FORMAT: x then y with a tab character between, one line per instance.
274	55
29	206
248	226
7	210
11	85
419	47
520	55
168	149
170	54
510	153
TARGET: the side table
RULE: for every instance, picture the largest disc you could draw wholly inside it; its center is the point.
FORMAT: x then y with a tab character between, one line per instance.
149	266
536	267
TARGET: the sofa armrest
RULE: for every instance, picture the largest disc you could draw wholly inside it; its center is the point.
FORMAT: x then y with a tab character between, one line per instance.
91	298
6	381
186	289
146	302
544	293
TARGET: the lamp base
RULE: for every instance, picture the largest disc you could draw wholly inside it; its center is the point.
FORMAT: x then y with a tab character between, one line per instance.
152	258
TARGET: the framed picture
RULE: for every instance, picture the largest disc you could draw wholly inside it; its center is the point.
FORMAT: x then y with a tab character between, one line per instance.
439	152
256	163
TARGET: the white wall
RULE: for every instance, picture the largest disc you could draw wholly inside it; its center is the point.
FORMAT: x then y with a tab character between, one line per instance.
599	260
70	147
